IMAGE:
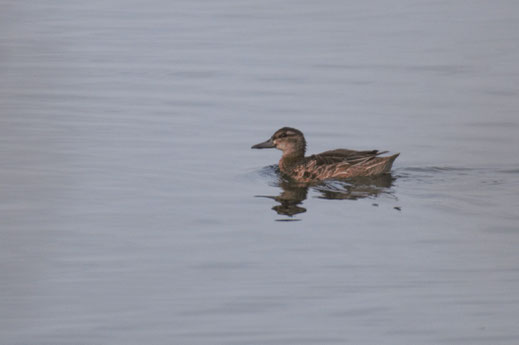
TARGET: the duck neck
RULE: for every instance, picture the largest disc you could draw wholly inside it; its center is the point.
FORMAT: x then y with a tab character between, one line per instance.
290	159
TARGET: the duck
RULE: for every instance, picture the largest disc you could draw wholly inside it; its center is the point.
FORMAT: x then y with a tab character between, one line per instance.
334	164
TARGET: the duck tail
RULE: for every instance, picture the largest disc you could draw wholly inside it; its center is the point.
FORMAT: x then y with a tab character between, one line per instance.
381	165
389	162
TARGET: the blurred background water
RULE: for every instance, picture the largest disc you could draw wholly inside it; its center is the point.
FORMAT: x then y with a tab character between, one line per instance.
131	208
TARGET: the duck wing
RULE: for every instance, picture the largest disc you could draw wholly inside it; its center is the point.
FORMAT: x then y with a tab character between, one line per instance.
351	157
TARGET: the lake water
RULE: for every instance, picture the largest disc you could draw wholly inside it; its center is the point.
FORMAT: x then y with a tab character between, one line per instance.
133	211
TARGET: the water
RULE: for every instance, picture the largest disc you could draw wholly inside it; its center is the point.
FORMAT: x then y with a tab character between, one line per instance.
133	211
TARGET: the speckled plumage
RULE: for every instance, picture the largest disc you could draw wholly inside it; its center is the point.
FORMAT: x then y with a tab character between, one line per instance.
334	164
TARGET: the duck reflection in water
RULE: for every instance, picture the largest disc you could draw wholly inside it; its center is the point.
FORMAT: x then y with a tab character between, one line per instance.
293	194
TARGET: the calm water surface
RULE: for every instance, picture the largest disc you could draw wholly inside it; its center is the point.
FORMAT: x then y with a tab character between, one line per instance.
132	210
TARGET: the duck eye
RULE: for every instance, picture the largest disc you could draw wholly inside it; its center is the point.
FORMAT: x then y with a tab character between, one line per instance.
282	135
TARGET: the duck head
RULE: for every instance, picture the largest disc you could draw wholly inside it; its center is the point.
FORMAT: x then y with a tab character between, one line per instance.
289	140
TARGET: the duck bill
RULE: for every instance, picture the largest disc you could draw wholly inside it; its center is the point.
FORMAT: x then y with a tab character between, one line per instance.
269	144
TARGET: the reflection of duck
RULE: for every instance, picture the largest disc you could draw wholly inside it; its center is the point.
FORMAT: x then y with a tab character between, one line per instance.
356	188
289	199
334	164
293	194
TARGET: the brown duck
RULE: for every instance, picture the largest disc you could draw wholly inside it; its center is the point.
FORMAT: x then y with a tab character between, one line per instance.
334	164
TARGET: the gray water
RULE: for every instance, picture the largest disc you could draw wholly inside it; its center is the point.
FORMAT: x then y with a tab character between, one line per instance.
133	211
